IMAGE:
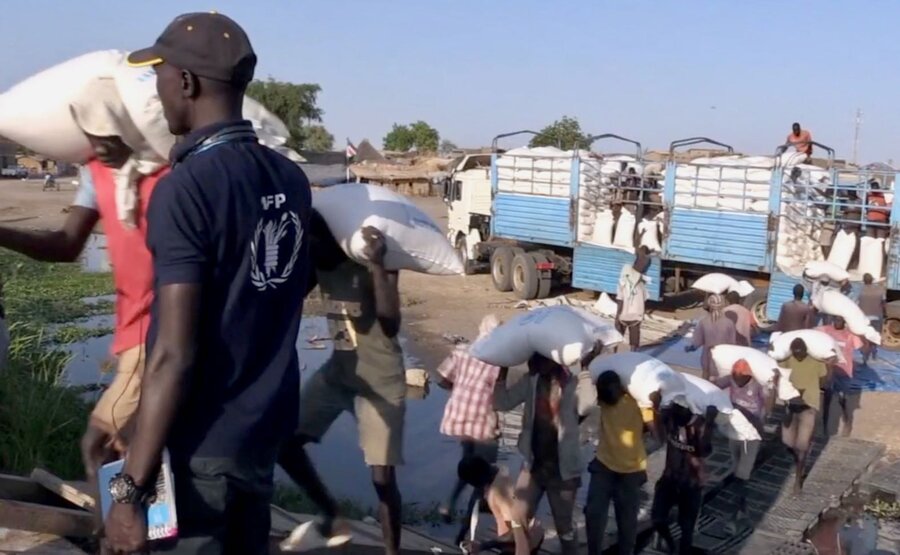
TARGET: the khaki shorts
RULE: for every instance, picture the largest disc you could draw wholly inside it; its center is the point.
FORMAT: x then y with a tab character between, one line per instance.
797	435
743	455
120	400
379	420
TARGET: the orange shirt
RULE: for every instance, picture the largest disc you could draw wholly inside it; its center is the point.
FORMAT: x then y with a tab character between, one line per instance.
875	214
802	142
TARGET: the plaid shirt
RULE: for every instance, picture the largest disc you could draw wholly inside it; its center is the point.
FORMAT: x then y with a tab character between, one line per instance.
470	410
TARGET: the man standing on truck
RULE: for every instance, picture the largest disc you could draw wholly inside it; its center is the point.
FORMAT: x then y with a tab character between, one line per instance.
801	140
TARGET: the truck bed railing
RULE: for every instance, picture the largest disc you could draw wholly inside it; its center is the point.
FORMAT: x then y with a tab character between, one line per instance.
639	191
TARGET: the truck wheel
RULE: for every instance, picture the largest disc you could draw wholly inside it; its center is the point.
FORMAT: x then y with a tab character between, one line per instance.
757	303
545	281
463	251
525	280
501	268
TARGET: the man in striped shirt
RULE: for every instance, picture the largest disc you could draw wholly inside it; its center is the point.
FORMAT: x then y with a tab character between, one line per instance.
469	414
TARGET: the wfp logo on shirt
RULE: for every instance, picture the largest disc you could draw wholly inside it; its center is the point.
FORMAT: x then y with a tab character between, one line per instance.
275	246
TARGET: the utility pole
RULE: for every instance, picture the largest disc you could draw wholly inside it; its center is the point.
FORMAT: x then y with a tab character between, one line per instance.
856	134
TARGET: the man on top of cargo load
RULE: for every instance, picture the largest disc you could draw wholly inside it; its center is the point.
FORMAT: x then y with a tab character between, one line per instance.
795	315
113	138
365	376
227	232
801	140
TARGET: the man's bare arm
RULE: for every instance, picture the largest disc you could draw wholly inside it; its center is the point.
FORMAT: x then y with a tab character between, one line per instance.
387	300
61	245
165	378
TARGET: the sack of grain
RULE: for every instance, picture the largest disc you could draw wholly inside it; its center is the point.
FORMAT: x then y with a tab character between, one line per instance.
700	394
763	367
624	230
414	241
643	376
649	232
871	256
720	283
560	333
35	113
820	345
842	249
835	303
817	269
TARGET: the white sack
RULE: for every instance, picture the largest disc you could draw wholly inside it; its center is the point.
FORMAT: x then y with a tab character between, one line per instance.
701	393
836	303
720	283
650	237
816	269
606	306
842	249
35	113
603	228
642	375
625	230
763	367
414	241
559	333
871	256
819	345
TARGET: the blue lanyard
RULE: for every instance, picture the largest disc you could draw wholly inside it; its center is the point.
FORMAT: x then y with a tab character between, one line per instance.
233	134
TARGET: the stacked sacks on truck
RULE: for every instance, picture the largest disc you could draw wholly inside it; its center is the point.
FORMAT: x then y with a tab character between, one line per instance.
542	170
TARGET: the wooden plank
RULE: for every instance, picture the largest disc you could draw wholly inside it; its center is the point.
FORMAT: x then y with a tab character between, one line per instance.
73	492
21	488
32	517
20	541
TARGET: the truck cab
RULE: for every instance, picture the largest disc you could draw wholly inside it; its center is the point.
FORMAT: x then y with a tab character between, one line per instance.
467	193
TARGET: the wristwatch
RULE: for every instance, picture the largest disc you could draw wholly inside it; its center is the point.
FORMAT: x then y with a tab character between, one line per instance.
123	490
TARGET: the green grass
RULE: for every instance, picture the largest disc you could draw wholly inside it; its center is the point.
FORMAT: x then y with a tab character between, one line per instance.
41	420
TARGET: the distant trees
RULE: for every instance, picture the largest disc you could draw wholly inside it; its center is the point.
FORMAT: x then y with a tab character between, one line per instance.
418	135
296	105
564	133
447	147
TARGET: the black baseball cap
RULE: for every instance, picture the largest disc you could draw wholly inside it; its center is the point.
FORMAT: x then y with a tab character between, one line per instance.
208	45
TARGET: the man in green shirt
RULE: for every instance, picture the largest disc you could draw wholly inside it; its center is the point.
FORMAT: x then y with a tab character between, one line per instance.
808	376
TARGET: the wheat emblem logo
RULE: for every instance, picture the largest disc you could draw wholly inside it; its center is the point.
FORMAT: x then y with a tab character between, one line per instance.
266	276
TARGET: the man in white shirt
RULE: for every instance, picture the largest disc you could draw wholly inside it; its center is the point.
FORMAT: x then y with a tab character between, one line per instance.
631	296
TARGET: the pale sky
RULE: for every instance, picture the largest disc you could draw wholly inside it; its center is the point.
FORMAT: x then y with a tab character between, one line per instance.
740	72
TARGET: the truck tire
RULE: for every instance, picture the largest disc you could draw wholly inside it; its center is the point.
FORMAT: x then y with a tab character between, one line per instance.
463	251
890	329
756	303
545	282
501	268
525	279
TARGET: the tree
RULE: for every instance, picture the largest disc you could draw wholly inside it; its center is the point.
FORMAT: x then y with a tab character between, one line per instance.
420	135
564	133
399	138
425	137
318	138
295	104
447	147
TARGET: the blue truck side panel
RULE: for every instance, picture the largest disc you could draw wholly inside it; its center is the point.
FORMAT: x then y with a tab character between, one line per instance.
532	218
892	269
781	290
598	268
725	239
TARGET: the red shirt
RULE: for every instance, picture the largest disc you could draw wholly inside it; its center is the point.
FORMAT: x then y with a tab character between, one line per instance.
132	265
848	343
470	411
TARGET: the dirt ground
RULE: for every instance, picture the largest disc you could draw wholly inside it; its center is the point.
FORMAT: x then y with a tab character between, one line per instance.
434	308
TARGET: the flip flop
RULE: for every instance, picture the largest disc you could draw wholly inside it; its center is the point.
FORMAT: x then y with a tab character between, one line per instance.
307	537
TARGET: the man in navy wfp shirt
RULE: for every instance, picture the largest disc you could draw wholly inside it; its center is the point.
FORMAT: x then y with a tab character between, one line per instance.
226	230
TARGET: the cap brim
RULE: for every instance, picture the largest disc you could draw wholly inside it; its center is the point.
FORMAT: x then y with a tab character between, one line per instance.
144	58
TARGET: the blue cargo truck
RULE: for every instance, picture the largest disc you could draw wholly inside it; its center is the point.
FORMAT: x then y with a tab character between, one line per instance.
727	214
